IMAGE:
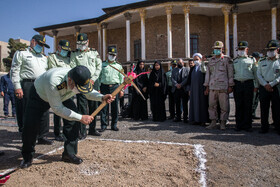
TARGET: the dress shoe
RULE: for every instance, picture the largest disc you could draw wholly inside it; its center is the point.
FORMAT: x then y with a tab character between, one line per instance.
186	121
170	118
59	138
71	159
25	164
263	131
2	153
102	129
94	133
249	130
255	117
177	120
115	128
44	141
237	129
82	136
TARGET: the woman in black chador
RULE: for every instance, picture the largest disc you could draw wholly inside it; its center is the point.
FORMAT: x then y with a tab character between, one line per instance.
157	90
139	105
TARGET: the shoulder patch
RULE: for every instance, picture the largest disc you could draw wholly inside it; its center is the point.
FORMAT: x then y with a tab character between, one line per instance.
62	85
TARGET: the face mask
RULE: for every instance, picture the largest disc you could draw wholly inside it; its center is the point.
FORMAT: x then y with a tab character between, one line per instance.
241	53
38	48
217	52
180	66
271	54
112	58
197	63
82	47
170	68
63	53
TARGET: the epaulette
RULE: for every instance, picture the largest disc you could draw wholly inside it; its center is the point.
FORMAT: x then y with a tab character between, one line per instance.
235	58
52	53
92	49
62	85
44	54
22	49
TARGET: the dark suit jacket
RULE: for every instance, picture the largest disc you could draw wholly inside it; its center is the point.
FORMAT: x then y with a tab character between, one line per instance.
175	78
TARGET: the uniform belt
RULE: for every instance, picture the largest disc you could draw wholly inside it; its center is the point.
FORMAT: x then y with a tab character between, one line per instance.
28	80
244	81
109	85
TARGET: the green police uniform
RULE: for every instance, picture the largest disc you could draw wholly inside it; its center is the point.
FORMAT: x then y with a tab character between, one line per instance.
269	73
110	79
52	90
27	65
245	72
57	60
91	59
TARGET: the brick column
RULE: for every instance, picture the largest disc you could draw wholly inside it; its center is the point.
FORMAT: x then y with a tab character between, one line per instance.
187	30
273	6
55	32
127	16
235	35
104	36
99	39
77	31
226	11
168	10
143	34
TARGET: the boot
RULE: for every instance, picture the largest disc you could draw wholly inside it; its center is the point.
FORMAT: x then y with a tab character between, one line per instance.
212	125
223	125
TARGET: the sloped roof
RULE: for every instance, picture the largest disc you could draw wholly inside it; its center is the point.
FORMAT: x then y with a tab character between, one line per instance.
111	11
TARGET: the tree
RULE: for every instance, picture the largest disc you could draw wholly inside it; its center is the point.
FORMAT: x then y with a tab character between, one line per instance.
13	46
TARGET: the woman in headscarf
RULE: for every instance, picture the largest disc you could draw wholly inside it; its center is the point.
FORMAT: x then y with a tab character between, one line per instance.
198	101
139	105
158	91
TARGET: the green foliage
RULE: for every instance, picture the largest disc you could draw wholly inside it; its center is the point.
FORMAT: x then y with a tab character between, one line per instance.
13	46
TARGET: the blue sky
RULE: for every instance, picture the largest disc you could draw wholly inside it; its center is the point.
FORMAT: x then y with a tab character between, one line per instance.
19	17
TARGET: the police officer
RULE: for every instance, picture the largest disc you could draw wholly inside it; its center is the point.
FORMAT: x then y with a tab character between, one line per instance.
8	93
54	89
60	58
219	83
171	100
110	79
256	55
245	72
90	58
27	65
269	78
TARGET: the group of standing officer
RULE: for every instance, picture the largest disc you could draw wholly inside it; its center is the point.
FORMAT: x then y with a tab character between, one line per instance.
250	78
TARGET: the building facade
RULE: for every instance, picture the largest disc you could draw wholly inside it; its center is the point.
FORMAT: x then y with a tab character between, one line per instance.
4	51
165	30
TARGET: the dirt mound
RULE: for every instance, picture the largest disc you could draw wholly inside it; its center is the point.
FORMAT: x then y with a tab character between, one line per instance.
109	163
